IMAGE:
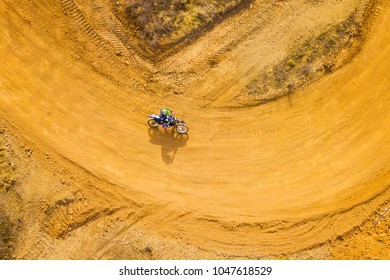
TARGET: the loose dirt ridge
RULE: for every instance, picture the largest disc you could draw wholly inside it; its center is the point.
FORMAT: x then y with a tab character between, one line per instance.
292	178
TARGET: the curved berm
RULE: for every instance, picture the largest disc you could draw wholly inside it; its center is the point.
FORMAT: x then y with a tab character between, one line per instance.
288	152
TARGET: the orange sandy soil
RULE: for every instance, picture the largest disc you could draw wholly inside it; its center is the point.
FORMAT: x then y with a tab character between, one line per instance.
306	176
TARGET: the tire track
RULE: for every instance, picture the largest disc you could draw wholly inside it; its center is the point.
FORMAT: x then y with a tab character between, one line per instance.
106	54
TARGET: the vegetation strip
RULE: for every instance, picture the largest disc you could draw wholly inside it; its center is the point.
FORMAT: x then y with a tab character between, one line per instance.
313	59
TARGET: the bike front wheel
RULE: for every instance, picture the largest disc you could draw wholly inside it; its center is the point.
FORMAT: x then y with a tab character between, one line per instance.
182	128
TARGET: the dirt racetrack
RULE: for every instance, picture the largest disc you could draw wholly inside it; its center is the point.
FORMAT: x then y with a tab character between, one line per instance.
304	176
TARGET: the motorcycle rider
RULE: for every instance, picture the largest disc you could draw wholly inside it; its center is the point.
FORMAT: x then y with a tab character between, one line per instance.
167	117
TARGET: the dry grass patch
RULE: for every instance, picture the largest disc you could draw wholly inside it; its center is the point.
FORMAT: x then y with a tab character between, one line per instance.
6	237
309	61
6	226
6	169
162	23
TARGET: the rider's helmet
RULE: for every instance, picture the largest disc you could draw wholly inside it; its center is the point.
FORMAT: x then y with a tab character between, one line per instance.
166	112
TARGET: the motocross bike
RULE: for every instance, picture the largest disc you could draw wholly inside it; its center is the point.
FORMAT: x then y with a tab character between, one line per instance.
179	125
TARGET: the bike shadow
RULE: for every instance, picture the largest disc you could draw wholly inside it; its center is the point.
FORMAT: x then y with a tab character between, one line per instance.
169	140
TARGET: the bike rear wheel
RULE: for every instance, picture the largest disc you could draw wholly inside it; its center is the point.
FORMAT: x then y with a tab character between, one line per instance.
152	123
